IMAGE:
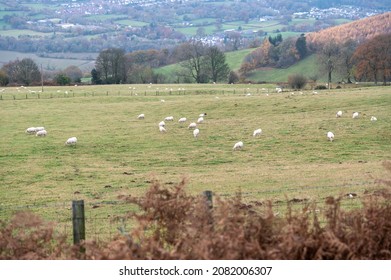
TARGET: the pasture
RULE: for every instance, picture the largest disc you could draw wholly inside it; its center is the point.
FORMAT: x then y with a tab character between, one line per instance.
117	154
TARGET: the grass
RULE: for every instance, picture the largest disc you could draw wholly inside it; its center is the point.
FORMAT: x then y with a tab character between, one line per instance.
118	154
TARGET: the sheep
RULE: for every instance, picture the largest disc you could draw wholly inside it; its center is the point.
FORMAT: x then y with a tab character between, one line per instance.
31	130
355	115
238	146
141	117
41	133
200	120
162	123
257	132
169	119
330	136
196	132
71	141
373	119
339	114
192	125
202	115
162	129
182	120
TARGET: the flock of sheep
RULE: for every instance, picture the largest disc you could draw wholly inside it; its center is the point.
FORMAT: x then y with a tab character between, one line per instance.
330	134
41	132
193	125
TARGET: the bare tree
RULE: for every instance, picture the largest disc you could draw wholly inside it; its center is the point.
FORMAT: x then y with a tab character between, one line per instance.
328	58
111	64
23	71
193	61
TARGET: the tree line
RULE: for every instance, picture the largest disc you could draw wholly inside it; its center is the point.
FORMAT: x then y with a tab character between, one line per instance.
200	63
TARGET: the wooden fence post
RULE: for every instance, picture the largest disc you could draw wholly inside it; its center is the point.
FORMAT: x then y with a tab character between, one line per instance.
78	221
208	198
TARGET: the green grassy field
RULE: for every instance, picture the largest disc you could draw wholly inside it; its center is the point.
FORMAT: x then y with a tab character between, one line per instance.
118	154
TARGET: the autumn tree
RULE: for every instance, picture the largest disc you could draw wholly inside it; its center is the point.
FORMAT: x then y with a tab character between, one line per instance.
372	59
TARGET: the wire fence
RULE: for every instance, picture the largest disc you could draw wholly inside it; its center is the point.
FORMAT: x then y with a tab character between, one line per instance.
132	92
105	219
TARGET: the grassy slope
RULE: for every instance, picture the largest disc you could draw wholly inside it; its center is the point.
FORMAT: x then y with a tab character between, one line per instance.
292	158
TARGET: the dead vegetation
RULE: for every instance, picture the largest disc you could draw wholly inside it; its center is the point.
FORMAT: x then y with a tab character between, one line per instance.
175	225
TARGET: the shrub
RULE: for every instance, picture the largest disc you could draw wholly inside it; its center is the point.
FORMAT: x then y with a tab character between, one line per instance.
297	81
320	87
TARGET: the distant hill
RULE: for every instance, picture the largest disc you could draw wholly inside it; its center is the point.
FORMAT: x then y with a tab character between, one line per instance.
359	30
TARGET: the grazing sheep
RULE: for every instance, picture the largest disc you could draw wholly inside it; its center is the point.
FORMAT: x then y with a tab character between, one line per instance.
200	120
162	129
196	132
31	130
71	141
192	125
169	119
355	115
373	119
238	146
162	123
182	120
202	115
257	132
339	114
141	116
41	133
330	136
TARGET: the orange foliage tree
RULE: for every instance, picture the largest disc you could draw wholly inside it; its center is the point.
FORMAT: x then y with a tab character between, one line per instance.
373	59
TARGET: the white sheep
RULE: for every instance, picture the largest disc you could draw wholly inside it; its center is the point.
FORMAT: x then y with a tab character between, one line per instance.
31	130
169	119
162	123
330	136
355	115
192	125
238	146
338	114
200	120
373	119
182	120
196	132
257	132
71	141
41	133
141	116
162	129
202	115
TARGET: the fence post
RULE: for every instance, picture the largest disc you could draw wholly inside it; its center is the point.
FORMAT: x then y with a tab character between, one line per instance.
208	198
78	221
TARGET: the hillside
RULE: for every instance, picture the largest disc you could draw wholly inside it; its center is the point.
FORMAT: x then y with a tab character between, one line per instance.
359	30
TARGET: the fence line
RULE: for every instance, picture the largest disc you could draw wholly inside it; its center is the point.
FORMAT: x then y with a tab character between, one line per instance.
72	94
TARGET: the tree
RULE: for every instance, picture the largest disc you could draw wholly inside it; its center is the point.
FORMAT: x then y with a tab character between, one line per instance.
3	78
345	67
193	61
111	64
215	60
328	58
62	79
23	71
95	77
301	46
372	59
74	73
